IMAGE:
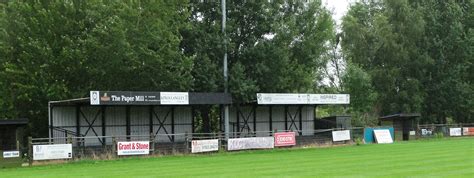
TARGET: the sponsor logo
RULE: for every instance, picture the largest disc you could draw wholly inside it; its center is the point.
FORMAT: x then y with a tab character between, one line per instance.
105	97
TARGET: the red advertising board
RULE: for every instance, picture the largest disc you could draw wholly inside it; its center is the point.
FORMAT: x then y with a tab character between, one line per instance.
468	130
285	139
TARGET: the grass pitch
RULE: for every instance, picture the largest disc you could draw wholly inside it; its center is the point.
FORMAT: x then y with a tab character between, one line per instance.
427	158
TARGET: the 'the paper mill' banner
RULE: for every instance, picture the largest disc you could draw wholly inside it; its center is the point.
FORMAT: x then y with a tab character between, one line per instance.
295	98
138	98
133	148
198	146
250	143
341	135
455	132
56	151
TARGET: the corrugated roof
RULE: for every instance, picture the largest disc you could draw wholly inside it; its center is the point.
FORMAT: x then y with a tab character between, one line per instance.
401	116
22	121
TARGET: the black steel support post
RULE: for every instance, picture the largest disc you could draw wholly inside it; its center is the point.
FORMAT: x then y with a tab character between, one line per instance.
286	118
254	119
314	118
102	109
127	120
192	119
150	119
51	127
238	120
270	108
172	123
300	108
221	116
78	124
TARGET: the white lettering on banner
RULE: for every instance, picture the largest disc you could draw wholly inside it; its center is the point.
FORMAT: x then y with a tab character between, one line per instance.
455	132
250	143
174	98
295	98
341	135
11	154
198	146
383	136
284	138
56	151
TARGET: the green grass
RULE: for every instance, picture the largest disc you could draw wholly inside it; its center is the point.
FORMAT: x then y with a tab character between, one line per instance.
428	158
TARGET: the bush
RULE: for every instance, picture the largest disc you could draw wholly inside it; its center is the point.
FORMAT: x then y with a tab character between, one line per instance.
439	135
359	141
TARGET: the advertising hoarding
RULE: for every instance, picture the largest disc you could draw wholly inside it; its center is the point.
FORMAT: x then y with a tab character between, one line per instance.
341	135
468	131
453	132
199	146
250	143
383	136
285	138
11	154
48	152
133	148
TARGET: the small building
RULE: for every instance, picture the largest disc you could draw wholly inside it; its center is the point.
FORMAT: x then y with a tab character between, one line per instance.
403	124
10	133
331	122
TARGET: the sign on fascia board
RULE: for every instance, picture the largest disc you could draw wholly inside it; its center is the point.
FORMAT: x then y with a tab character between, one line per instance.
138	98
295	98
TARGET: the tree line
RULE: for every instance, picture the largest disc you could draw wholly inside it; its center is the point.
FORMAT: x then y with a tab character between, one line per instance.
391	56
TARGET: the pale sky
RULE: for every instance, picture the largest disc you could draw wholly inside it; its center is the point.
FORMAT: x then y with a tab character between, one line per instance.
338	7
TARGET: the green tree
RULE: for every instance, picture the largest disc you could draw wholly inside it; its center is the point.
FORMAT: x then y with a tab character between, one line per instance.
54	50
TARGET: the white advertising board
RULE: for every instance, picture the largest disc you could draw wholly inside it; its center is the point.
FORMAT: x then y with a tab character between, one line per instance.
199	146
453	132
282	98
341	135
11	154
383	136
329	99
296	98
133	148
250	143
174	98
56	151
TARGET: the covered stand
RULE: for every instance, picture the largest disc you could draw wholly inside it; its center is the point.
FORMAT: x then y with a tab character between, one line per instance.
403	124
124	113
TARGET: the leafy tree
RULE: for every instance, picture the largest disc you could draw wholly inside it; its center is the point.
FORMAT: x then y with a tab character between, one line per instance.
54	50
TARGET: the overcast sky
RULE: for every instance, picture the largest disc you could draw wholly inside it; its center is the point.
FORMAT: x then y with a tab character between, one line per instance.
338	7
